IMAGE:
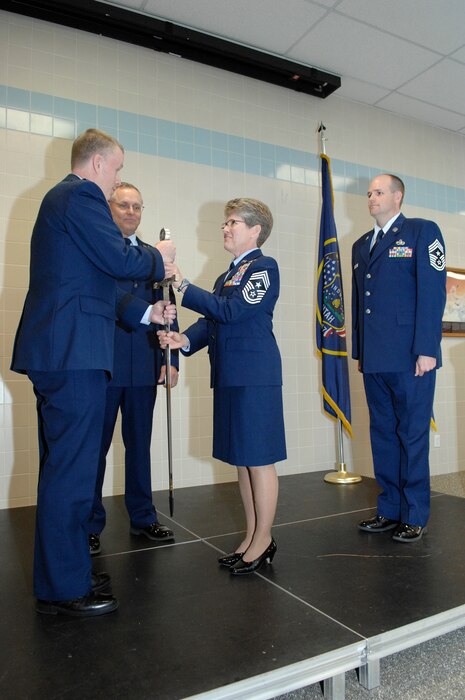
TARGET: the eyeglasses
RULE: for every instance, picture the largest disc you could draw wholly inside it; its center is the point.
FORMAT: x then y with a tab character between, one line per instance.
232	222
125	206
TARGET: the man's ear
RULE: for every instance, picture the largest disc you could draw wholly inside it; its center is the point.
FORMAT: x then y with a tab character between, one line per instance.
97	161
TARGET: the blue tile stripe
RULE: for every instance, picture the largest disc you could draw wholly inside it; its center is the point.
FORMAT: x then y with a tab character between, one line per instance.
49	115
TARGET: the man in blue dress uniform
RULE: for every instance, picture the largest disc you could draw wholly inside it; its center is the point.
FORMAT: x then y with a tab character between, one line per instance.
64	343
398	298
137	367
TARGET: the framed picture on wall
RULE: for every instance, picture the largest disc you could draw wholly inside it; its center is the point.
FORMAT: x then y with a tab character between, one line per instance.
453	320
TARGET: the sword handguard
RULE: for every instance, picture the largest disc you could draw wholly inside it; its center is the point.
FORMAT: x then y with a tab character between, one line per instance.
165	235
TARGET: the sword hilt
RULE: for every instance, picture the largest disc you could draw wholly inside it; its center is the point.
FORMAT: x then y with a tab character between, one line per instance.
165	235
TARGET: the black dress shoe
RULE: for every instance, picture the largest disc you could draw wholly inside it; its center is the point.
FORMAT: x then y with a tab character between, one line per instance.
248	567
89	605
408	533
100	582
377	524
154	531
230	559
94	543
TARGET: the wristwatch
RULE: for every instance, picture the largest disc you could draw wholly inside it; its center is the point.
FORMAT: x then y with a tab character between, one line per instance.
184	283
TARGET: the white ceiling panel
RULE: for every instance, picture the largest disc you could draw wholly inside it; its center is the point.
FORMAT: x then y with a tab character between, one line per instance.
409	107
389	54
442	85
271	25
361	91
459	55
328	3
344	46
439	26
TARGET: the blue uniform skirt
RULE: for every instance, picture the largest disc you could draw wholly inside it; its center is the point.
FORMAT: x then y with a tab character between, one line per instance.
248	425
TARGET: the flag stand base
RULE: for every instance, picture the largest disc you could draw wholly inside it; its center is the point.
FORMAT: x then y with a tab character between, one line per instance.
341	476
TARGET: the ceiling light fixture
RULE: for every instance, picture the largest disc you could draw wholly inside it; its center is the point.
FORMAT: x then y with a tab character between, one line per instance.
160	35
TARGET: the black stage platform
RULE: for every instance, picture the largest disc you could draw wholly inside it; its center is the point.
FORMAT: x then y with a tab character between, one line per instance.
334	599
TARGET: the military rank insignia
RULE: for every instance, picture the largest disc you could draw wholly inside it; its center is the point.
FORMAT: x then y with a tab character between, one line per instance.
437	258
256	287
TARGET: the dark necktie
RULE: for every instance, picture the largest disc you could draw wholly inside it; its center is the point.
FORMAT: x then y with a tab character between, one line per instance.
127	241
379	237
230	269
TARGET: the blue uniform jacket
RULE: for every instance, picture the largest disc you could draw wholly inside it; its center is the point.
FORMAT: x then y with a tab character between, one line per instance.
68	320
238	324
398	296
138	356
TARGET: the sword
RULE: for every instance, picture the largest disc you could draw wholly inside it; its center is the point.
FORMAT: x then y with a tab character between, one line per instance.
165	235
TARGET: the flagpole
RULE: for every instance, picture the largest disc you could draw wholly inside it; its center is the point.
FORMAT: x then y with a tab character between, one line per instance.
341	475
323	139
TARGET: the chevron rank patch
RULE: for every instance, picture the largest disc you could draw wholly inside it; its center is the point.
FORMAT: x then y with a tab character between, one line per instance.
256	287
437	259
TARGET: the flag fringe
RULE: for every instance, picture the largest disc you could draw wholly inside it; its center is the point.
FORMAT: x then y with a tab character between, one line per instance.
337	411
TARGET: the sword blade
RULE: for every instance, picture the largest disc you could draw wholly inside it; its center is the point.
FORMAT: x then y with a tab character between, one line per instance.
165	235
166	297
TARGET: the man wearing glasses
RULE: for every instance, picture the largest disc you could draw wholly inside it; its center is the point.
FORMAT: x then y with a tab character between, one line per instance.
138	367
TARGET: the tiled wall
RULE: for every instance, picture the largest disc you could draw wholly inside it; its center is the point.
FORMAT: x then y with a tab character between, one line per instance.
195	137
58	117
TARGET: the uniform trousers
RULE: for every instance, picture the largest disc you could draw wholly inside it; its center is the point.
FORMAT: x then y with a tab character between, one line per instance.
70	409
400	407
137	404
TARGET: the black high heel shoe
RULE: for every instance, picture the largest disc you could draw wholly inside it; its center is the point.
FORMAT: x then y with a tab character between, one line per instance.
248	567
230	559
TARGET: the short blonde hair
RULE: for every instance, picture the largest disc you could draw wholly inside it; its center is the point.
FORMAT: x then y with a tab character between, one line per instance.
91	142
253	211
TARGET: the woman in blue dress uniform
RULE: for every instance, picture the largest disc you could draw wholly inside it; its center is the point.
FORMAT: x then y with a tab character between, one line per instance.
246	375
